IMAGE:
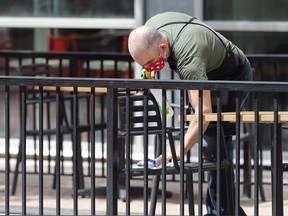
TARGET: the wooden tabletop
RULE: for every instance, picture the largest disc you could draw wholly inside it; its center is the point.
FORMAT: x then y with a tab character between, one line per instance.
71	89
101	90
245	116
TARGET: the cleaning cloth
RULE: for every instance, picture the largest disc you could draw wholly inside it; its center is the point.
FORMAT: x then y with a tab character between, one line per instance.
154	163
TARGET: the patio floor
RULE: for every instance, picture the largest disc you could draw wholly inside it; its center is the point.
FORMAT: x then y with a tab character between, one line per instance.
84	204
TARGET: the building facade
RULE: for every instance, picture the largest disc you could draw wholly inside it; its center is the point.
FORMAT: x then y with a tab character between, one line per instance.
255	26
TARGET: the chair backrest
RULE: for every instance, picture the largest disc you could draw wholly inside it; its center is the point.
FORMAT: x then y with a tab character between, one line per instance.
136	112
36	70
32	93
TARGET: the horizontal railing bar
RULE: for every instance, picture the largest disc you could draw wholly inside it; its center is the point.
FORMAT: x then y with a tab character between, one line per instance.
260	86
268	58
120	56
66	55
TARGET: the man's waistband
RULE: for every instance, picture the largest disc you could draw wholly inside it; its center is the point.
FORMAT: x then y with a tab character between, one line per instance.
229	68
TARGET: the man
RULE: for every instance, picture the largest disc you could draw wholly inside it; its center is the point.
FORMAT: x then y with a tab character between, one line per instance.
195	52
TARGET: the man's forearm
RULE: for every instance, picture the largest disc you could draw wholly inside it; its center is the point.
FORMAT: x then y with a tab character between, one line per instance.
191	137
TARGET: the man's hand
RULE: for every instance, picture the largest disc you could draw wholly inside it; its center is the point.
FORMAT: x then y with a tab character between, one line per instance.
152	74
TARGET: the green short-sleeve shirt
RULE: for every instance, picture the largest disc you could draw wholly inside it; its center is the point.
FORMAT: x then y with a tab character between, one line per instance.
195	49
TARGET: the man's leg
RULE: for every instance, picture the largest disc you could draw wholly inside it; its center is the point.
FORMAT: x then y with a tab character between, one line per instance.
210	154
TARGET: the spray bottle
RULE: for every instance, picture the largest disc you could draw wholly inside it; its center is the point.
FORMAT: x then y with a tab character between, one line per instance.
158	96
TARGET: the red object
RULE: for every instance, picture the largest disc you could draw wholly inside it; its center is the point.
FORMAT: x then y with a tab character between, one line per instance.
59	43
62	43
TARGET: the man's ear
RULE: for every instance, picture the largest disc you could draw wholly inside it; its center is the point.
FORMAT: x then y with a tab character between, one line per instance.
163	47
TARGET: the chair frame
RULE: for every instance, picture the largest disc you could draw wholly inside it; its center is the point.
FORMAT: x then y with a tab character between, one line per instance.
189	168
30	97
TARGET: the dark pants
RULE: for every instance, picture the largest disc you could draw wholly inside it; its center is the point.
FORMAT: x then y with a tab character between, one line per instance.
211	141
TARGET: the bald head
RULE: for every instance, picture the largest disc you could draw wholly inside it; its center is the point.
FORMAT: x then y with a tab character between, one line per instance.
144	39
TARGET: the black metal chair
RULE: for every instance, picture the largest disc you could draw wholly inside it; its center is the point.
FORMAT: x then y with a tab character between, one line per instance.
285	165
136	128
29	97
247	138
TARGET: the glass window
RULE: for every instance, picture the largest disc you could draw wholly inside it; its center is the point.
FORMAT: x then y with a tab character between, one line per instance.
16	39
68	8
41	39
260	42
254	10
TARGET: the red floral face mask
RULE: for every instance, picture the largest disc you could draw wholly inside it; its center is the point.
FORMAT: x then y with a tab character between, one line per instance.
157	65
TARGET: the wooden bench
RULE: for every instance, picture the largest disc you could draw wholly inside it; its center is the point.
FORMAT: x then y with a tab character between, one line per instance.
245	116
267	117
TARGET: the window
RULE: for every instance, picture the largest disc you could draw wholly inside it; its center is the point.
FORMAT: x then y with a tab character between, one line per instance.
255	26
259	42
254	10
68	8
31	21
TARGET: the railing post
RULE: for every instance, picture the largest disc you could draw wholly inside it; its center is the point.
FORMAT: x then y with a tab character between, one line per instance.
7	147
277	166
112	152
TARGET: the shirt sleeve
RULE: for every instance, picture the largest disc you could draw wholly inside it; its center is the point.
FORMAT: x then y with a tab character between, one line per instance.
192	69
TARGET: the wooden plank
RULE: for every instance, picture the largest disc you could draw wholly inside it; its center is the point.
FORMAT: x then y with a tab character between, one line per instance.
71	89
245	116
100	90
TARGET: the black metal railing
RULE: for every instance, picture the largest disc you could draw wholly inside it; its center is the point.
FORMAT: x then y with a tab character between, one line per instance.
105	104
112	85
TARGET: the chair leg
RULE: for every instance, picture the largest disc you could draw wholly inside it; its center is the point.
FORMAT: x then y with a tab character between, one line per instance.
16	171
80	183
261	187
54	179
262	193
229	177
121	166
230	191
154	194
61	156
190	190
156	179
247	168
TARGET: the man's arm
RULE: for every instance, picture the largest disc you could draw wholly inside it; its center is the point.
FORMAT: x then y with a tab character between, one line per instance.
191	136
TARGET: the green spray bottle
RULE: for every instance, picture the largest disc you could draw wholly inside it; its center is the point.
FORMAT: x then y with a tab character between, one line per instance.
158	96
